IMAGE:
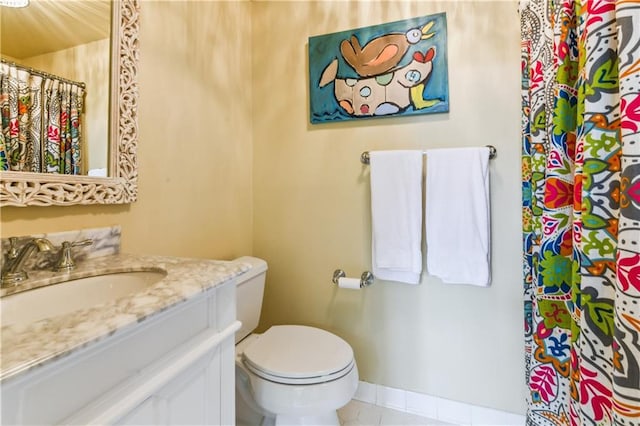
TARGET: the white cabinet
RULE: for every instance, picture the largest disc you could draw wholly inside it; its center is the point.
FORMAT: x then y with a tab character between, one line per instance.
176	367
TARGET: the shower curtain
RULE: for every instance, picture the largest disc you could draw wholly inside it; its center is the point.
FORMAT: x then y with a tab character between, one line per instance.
581	210
20	103
62	113
41	122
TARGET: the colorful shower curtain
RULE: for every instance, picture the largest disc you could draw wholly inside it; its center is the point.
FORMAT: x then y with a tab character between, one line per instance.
20	103
581	210
62	112
41	122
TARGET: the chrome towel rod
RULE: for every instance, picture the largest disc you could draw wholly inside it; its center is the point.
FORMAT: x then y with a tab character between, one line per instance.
493	152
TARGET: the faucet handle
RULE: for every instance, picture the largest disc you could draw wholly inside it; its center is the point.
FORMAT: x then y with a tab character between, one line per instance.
13	251
65	260
80	243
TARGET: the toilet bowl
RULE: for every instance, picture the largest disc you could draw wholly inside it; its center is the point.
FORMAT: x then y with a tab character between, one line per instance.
290	374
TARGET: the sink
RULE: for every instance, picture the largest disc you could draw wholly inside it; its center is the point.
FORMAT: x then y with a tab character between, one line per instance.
23	308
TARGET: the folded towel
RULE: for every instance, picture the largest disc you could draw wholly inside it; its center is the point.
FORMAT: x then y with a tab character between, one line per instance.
396	215
97	172
457	217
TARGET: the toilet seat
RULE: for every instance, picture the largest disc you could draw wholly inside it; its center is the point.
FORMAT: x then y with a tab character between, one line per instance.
295	354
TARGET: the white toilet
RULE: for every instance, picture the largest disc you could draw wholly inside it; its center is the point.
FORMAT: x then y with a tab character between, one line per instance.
290	374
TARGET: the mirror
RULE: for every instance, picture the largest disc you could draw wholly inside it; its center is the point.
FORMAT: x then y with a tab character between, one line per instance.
120	185
57	48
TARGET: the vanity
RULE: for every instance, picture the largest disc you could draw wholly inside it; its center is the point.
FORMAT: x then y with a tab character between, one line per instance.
161	352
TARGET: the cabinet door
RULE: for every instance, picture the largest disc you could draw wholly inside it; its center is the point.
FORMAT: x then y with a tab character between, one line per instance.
192	398
143	414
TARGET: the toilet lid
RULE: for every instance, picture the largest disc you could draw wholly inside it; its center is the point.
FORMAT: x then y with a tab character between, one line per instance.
296	354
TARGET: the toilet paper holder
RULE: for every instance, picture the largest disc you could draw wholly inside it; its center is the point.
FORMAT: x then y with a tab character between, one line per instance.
366	279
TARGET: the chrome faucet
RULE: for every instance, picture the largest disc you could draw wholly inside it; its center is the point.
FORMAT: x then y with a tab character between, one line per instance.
13	271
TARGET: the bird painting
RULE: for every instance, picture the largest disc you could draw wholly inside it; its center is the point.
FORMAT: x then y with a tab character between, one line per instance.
382	53
386	94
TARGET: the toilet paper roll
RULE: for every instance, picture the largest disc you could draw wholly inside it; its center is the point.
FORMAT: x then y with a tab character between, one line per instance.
352	283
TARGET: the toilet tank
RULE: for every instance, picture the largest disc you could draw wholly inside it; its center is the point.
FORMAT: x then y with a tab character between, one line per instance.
250	289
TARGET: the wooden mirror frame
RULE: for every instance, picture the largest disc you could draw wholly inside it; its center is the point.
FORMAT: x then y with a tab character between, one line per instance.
121	186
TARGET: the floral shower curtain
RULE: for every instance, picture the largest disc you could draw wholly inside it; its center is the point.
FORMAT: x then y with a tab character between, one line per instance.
62	111
41	122
581	210
20	103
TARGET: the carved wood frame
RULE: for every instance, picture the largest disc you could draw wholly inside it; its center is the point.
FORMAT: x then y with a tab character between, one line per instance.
121	187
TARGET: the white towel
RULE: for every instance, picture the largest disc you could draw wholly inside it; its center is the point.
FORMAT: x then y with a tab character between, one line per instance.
457	215
396	215
97	172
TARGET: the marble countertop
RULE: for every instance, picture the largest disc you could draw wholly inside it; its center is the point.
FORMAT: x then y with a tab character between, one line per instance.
26	347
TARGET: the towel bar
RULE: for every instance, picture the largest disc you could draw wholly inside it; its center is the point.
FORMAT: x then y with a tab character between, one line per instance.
493	152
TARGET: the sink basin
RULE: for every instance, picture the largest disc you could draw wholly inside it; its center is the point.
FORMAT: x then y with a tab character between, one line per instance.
46	302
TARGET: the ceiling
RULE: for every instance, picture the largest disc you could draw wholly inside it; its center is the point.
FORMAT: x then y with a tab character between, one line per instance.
51	25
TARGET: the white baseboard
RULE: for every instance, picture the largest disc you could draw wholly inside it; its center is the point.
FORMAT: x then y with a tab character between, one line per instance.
436	408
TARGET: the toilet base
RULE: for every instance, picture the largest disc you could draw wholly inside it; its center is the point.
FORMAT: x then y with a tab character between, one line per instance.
248	414
328	419
247	417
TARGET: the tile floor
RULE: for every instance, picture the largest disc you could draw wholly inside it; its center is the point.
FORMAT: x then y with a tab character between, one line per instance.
357	413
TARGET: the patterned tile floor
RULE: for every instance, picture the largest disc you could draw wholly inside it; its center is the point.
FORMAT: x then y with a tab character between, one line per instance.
357	413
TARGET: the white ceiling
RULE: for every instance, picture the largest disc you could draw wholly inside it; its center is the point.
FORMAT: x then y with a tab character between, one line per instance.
51	25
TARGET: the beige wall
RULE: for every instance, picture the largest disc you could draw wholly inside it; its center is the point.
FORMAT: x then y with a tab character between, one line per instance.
310	208
311	203
195	140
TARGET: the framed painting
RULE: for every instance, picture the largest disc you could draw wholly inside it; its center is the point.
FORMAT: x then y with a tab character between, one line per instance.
392	69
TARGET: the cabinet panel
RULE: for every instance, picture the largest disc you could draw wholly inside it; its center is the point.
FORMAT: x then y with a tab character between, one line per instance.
144	414
227	384
187	397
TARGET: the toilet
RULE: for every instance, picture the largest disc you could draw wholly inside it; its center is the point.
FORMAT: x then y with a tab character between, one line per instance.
290	374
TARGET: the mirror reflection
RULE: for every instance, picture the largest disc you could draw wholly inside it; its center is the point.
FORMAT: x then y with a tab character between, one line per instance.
54	92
